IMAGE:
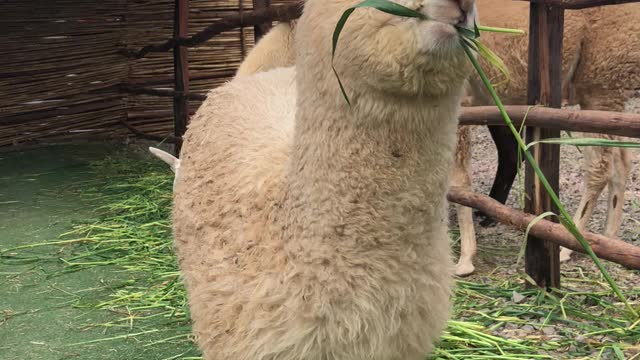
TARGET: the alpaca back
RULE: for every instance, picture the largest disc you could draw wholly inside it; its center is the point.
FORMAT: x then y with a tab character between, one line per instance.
513	49
609	73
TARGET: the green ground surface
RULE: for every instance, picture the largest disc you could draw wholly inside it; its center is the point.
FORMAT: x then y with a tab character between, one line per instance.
41	310
87	271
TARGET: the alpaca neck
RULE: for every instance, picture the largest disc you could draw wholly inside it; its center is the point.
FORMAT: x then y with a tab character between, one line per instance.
383	165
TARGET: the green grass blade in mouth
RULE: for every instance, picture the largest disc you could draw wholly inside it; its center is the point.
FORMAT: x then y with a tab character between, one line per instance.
493	59
388	7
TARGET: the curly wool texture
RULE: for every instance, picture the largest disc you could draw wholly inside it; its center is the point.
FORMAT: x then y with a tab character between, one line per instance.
306	229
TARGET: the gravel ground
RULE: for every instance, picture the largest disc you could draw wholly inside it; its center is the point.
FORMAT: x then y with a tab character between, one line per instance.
498	246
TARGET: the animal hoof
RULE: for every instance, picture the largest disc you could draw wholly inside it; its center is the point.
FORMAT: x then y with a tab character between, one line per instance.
565	254
464	269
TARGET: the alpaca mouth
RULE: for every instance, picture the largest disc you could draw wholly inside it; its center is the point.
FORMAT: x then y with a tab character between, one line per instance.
461	21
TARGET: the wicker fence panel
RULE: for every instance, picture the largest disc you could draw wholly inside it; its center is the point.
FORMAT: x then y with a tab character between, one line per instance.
59	70
62	65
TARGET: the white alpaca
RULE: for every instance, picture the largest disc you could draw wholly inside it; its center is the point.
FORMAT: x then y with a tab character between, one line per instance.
306	229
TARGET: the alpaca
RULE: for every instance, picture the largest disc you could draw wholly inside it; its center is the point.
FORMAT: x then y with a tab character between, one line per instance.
608	77
600	76
514	52
462	178
308	229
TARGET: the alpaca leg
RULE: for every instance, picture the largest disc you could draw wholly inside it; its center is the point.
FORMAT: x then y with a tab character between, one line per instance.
507	167
467	241
461	178
617	185
582	216
594	182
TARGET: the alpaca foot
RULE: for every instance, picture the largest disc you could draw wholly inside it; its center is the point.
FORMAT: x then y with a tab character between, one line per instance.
465	268
565	254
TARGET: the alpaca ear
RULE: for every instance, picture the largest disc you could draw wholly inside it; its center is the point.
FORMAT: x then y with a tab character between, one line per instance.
171	160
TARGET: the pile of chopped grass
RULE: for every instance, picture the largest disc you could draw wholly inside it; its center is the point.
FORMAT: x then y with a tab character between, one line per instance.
495	319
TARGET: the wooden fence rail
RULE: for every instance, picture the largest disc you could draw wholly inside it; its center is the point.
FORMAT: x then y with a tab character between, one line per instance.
610	249
591	121
247	18
579	4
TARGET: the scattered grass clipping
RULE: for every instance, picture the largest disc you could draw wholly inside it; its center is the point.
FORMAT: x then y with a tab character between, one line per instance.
131	236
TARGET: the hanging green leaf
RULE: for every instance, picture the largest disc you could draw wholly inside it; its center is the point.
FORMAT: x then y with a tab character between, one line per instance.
526	233
493	59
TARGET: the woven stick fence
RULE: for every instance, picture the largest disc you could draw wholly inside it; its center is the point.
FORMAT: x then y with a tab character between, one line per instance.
65	69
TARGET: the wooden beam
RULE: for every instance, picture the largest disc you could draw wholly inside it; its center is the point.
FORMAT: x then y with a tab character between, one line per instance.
580	4
591	121
243	45
171	139
261	29
546	27
181	72
139	90
248	18
613	250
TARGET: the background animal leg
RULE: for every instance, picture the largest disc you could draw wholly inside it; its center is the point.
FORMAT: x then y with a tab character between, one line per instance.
590	195
468	244
507	167
617	185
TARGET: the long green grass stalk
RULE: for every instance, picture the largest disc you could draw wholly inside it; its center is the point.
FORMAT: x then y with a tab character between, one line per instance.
587	142
565	217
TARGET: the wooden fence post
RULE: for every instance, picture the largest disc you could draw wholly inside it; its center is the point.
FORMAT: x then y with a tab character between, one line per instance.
181	71
545	81
264	28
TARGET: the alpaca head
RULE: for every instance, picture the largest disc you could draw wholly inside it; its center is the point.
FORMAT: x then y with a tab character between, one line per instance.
382	53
